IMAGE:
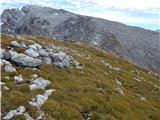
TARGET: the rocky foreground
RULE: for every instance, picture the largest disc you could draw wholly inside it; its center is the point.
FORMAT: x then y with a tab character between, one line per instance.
43	79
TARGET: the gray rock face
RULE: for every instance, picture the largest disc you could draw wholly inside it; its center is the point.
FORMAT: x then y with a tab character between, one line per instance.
26	61
140	46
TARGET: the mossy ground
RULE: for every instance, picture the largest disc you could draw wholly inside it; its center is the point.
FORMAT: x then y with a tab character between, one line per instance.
77	90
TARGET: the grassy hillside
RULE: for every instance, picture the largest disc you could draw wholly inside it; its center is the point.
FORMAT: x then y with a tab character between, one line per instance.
86	93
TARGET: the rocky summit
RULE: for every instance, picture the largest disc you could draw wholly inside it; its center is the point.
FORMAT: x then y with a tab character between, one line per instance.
137	45
47	79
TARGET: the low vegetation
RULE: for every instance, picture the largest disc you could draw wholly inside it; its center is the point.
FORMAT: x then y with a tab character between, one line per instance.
88	92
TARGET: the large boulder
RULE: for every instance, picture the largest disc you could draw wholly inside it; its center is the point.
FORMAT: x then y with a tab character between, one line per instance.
26	61
31	53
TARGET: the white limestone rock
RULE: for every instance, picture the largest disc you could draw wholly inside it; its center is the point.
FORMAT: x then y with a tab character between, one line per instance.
9	54
5	62
46	60
2	51
30	52
40	99
26	61
19	45
35	47
28	117
18	79
39	83
119	90
13	113
9	69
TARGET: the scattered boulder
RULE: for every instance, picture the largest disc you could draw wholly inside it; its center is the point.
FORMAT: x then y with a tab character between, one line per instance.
40	99
26	61
13	113
39	83
9	69
31	53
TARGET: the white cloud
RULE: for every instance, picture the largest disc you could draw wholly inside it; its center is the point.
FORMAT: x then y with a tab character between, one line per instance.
129	4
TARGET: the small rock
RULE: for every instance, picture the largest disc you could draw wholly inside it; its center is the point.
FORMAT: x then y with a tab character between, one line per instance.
6	77
31	53
26	61
15	112
119	90
40	99
34	75
6	63
9	69
28	117
118	82
6	88
39	83
2	83
18	79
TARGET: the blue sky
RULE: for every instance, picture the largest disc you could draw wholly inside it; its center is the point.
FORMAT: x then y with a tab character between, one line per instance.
142	13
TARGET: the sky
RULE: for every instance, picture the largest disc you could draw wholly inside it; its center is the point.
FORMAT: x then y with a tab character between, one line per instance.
142	13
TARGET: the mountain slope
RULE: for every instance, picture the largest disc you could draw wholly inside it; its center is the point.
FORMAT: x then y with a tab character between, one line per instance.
106	87
135	44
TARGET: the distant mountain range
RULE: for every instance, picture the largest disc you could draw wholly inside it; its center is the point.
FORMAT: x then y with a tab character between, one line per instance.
138	45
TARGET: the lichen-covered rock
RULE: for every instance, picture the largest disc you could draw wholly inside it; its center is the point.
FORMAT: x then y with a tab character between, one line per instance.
39	83
12	113
26	61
